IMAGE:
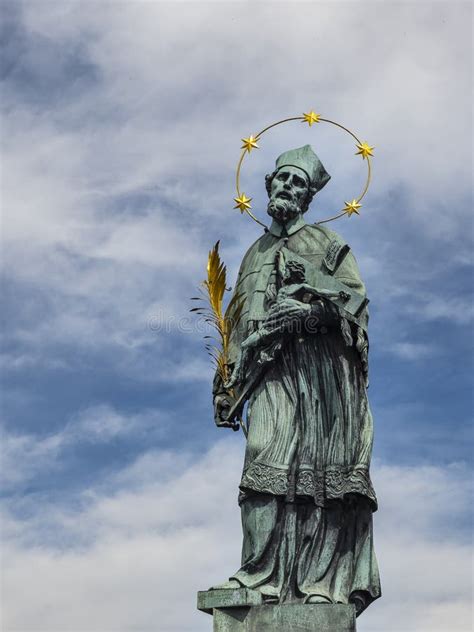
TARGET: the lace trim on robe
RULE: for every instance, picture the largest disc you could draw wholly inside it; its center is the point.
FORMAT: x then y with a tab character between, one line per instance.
334	482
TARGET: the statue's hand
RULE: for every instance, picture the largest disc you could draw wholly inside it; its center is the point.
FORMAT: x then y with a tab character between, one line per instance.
286	312
236	377
237	374
222	405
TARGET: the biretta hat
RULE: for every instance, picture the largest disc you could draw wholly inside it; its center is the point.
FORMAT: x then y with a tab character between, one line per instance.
305	159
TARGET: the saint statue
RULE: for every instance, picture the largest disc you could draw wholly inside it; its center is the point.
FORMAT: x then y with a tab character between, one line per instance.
299	354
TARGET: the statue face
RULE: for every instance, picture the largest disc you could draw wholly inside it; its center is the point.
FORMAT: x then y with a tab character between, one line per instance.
288	193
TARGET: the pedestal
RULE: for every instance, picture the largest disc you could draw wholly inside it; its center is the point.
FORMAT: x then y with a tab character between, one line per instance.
241	610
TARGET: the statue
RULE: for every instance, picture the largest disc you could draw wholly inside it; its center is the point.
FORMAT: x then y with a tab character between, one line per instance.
306	497
296	352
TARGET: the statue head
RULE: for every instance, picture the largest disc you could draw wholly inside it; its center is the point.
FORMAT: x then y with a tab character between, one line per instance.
298	176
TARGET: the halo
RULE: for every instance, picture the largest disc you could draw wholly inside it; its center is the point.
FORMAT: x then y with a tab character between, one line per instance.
251	142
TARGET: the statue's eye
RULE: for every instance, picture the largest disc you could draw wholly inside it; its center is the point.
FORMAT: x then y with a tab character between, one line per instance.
299	181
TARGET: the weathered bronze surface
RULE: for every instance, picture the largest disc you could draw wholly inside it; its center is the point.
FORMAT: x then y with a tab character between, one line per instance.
299	358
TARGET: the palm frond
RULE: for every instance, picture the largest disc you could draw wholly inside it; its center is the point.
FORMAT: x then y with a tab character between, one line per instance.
224	322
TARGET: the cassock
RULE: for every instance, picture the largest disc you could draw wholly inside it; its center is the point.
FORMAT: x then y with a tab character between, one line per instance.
305	494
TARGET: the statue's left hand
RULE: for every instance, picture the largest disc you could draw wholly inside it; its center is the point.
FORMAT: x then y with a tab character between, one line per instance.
286	312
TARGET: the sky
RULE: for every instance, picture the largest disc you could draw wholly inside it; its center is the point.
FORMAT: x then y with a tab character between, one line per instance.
121	128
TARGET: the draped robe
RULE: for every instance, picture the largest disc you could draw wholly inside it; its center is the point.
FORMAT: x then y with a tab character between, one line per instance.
306	495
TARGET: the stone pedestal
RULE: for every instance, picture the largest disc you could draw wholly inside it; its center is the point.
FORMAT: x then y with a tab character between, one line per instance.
241	610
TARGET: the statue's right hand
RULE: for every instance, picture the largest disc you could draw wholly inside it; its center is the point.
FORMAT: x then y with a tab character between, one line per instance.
285	312
236	376
222	405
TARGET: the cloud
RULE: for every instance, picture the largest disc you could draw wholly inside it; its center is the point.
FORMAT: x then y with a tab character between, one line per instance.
140	544
413	350
25	456
435	307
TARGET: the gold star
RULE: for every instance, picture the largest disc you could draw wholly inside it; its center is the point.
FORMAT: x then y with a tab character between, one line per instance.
249	143
352	207
364	150
242	203
311	117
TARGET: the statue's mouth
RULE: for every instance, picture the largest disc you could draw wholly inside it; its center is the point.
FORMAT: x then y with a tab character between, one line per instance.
285	195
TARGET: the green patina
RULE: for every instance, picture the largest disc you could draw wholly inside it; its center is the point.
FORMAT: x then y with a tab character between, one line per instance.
300	359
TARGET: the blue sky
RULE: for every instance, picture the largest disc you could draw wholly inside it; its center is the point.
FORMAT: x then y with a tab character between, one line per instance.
121	131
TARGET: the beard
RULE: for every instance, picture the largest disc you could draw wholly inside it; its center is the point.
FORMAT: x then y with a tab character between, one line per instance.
282	209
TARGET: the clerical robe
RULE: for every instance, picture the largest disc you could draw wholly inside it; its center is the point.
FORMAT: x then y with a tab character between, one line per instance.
306	494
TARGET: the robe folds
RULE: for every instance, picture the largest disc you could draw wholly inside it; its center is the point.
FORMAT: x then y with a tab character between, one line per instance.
306	495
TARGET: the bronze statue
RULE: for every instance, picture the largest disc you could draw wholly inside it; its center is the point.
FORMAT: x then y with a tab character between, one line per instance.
298	357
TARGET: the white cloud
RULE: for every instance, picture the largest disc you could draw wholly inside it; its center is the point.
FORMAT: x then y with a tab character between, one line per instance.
24	456
436	307
413	350
142	543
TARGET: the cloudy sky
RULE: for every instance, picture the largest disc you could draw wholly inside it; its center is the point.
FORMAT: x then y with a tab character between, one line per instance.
121	127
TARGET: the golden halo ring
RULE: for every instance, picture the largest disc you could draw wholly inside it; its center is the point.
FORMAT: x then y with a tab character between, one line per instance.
243	202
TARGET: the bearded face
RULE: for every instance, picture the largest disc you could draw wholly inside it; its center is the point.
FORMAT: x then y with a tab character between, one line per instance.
288	193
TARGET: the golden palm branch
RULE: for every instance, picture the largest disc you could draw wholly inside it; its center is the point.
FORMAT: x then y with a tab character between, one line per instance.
224	322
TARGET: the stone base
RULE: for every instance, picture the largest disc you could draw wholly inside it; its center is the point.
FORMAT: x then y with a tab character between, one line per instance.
241	610
209	600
